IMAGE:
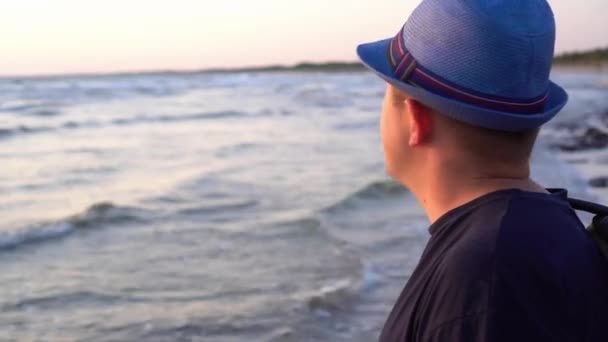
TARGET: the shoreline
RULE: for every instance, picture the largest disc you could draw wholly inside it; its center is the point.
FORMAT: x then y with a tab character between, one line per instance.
328	67
599	67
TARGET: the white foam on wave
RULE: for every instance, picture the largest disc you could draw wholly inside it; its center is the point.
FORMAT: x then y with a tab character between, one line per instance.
332	297
40	233
338	295
96	215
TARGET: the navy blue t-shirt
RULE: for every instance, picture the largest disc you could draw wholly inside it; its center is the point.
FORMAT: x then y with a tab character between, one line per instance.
508	266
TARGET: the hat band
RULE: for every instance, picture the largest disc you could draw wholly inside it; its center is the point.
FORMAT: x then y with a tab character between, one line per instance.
408	70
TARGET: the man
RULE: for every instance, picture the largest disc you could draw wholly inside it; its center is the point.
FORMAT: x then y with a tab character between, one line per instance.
468	89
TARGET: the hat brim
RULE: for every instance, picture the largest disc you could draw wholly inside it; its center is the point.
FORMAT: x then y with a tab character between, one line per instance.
375	57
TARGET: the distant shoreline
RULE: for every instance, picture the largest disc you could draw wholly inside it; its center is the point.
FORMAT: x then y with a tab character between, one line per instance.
599	67
590	60
593	60
302	67
330	67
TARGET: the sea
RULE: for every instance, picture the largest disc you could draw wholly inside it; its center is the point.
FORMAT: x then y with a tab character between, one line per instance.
245	206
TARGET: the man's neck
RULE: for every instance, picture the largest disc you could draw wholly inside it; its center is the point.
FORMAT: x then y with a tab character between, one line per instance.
447	189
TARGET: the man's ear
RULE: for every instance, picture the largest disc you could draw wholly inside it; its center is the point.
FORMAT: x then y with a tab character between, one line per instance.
421	122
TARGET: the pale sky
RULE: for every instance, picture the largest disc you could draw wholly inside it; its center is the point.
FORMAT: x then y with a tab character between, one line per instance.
73	36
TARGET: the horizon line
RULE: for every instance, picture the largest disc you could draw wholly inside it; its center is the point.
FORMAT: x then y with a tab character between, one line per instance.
329	66
251	68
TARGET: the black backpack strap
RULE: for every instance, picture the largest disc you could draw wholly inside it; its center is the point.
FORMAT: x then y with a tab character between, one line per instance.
598	229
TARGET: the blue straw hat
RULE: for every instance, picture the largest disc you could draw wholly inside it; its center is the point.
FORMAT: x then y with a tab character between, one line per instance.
483	62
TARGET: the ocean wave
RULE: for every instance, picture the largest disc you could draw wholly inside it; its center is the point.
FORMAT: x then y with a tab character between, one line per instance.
33	106
356	125
339	295
324	97
189	331
38	92
373	191
70	125
333	297
62	300
599	182
179	118
97	215
589	133
219	208
9	132
380	189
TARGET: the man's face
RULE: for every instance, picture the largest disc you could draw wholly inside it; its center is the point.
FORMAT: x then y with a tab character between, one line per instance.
395	133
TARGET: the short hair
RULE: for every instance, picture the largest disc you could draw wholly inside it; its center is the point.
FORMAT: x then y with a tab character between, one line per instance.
488	144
